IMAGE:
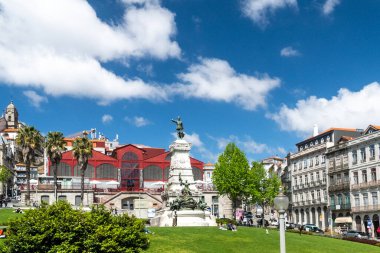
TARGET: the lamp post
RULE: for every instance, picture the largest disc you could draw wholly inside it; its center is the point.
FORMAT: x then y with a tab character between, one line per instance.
281	203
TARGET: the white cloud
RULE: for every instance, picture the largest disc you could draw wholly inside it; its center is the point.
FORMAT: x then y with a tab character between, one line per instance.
351	109
106	118
289	52
34	98
138	121
193	139
248	145
215	79
59	46
259	10
329	6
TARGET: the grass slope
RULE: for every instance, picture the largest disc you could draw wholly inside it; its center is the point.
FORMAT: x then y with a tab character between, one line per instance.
211	239
6	214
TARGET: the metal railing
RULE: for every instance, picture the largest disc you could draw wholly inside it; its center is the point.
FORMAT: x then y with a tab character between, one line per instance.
373	183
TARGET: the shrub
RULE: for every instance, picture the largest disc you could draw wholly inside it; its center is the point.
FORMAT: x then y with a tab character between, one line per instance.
362	240
59	228
222	221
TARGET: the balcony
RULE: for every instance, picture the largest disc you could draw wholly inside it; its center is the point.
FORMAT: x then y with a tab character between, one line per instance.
341	207
367	208
339	187
366	185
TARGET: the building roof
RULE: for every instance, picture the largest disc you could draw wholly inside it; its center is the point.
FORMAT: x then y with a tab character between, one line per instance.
332	129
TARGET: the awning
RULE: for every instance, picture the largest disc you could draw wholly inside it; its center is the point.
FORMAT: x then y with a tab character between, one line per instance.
343	220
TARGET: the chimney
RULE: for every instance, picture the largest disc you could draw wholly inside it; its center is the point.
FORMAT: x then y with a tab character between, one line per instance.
315	131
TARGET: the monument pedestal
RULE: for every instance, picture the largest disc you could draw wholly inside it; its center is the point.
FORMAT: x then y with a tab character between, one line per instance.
181	186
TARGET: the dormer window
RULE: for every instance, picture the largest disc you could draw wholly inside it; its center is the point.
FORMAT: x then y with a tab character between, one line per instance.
316	142
328	138
306	146
322	140
311	144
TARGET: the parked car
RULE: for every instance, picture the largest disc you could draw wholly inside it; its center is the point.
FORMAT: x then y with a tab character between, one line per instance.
356	234
290	225
313	228
274	223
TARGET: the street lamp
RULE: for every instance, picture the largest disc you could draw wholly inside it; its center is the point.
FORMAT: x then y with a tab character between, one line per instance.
281	203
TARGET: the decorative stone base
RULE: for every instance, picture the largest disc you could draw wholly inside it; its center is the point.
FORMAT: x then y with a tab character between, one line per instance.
185	218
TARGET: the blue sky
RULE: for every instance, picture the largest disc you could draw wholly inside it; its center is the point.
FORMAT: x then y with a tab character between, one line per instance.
260	73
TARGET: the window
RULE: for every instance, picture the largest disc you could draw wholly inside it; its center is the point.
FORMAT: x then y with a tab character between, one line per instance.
328	138
332	200
339	179
45	198
300	179
317	160
357	200
152	172
312	195
372	152
62	197
130	156
356	178
106	170
317	176
364	176
77	200
318	195
346	178
304	164
332	180
89	172
373	174
323	159
324	177
306	179
311	162
362	155
374	198
365	199
354	157
63	169
340	199
312	177
325	195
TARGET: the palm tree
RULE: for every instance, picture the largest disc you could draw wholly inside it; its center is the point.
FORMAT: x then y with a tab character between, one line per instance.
29	144
55	146
82	151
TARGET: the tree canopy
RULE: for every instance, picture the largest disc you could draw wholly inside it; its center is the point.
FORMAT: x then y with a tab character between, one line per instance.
59	228
82	151
230	174
55	146
29	143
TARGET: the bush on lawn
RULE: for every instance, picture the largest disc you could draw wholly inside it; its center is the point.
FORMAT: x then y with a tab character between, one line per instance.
362	240
59	228
223	221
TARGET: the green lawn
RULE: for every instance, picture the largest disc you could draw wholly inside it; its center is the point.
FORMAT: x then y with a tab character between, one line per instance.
212	239
6	214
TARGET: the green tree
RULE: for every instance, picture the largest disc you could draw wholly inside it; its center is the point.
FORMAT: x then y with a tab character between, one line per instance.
230	174
55	146
5	175
82	151
59	228
263	186
29	143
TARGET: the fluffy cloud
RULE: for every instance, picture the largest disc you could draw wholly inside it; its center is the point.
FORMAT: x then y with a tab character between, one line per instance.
60	45
138	121
34	98
329	6
352	109
289	52
106	118
258	10
215	79
248	145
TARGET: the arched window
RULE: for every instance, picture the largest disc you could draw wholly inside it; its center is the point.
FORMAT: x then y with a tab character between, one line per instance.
45	198
152	172
62	197
198	173
63	169
130	156
106	170
88	173
166	173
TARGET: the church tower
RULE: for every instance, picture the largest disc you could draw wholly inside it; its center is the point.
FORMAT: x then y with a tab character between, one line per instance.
11	116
